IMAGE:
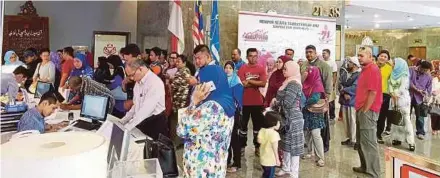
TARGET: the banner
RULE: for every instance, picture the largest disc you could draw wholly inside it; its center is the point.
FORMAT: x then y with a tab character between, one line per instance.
271	34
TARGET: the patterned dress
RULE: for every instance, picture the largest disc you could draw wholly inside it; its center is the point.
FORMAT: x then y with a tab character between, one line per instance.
293	140
206	131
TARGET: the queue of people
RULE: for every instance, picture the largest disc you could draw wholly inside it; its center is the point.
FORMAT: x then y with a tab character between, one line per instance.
209	108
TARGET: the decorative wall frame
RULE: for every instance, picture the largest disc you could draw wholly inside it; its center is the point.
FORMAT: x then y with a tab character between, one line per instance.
106	43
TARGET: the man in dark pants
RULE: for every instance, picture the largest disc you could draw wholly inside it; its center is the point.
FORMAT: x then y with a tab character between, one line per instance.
253	76
327	80
149	95
420	86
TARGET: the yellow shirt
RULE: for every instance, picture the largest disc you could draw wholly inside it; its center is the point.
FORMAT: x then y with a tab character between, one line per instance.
385	72
266	137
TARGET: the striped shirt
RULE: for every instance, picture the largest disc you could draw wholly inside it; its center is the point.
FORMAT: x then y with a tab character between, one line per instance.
31	120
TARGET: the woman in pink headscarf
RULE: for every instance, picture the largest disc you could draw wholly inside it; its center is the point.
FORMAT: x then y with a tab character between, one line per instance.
276	79
292	136
313	122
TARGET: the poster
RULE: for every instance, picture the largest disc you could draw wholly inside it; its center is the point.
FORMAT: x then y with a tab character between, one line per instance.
272	34
108	44
403	169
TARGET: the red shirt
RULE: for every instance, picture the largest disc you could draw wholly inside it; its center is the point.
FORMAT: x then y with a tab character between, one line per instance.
252	95
369	80
67	66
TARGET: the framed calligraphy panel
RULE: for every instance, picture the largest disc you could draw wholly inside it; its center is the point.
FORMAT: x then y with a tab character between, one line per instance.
108	43
22	32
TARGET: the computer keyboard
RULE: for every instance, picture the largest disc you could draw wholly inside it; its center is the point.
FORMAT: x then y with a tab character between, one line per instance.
86	125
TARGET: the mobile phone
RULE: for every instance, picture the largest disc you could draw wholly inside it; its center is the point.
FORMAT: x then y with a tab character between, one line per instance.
70	116
212	85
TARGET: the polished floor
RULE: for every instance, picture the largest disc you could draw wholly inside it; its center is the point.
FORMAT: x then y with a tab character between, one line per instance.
340	159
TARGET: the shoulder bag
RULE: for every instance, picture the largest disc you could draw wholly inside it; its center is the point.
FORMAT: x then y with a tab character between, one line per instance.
395	116
320	107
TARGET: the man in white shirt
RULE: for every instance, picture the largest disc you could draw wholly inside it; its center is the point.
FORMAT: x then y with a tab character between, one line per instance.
147	113
10	82
334	68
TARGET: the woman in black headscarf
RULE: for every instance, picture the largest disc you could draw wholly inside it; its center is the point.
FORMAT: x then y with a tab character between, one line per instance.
102	73
115	85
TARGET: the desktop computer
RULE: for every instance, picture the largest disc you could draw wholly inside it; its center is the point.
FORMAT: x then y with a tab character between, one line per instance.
93	108
119	143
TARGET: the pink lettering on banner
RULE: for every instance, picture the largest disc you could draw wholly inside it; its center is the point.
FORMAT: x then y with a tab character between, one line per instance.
258	35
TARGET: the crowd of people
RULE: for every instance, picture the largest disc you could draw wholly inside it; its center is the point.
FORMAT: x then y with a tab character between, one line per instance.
291	102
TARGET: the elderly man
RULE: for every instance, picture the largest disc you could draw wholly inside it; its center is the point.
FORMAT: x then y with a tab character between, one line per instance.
87	86
147	113
327	81
236	58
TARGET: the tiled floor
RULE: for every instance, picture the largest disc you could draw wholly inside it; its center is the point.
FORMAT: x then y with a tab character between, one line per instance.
339	160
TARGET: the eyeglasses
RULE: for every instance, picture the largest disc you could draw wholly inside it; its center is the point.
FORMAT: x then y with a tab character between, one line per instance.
134	73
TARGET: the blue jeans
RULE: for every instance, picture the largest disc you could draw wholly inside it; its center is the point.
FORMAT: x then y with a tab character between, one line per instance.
268	171
420	121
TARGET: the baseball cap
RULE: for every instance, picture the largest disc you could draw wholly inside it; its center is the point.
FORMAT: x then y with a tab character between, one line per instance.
28	53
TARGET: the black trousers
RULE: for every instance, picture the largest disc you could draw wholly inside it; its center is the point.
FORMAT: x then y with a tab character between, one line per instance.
325	133
332	109
383	116
256	113
155	125
235	146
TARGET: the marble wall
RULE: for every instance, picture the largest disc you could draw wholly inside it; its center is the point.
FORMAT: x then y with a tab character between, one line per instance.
397	42
228	15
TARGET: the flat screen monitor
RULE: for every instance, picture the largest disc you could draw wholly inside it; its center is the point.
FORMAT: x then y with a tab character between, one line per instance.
119	142
42	88
94	107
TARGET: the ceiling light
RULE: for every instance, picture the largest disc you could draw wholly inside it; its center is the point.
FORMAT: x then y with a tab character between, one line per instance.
410	19
376	15
414	27
376	25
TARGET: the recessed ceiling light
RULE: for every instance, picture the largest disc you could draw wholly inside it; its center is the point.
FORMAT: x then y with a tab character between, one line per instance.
414	27
376	25
376	15
410	19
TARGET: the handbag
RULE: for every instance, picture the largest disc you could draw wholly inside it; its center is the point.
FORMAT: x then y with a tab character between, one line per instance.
395	116
284	122
424	107
434	109
162	149
320	107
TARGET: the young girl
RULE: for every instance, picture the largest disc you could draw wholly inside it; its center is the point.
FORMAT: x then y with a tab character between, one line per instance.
268	137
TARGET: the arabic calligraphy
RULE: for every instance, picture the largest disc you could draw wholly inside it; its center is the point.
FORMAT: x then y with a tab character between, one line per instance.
25	33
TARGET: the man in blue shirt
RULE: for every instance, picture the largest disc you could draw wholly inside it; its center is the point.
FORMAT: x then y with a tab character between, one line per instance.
236	58
33	119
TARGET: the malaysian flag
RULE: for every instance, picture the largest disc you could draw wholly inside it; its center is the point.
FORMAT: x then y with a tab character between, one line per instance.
198	35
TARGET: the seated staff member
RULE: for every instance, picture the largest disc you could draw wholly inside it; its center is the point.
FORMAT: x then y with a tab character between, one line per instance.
10	82
86	86
33	119
147	113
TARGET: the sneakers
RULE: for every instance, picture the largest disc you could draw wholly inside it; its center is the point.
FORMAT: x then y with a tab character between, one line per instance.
387	133
281	173
380	140
412	147
420	137
232	169
320	163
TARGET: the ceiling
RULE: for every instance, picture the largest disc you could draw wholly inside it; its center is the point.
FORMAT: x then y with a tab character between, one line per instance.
367	15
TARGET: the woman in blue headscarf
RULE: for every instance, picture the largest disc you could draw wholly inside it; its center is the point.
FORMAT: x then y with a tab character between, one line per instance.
82	68
11	58
206	125
237	94
398	86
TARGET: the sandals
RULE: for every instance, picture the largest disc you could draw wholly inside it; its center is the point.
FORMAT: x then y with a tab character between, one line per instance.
320	163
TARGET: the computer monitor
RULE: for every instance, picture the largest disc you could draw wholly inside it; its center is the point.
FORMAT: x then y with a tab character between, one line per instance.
94	107
119	142
42	88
